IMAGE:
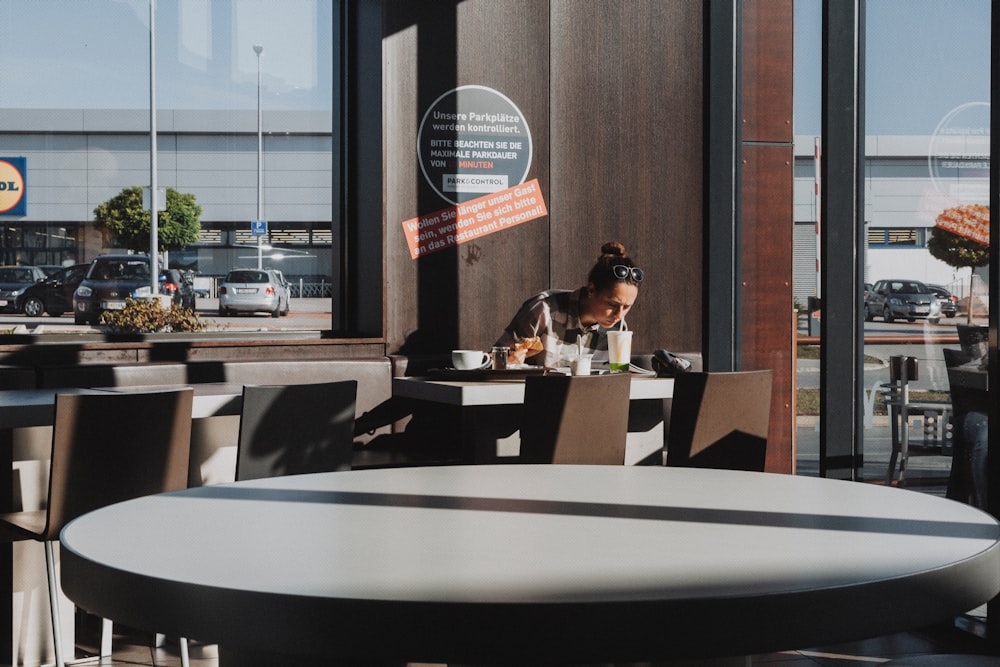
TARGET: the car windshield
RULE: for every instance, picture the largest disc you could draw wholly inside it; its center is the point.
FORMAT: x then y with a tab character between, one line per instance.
909	288
16	276
114	269
247	277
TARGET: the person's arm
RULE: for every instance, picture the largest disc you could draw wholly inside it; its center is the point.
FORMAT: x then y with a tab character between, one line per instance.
533	320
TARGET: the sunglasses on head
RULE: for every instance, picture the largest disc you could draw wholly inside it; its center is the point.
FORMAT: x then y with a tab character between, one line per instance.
622	272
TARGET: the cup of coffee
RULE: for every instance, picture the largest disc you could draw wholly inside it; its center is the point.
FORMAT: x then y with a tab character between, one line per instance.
619	351
469	360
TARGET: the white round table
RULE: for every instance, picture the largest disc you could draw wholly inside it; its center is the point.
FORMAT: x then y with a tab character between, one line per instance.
523	562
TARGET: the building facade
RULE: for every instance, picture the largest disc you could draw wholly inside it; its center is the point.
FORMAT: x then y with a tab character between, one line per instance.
75	159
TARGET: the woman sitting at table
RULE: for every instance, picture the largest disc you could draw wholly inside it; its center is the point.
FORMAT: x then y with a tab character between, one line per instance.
560	317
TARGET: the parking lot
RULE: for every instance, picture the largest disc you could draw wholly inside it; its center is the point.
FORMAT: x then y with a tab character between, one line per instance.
305	315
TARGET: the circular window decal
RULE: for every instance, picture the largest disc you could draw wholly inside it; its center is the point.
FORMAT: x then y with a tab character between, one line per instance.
959	154
473	141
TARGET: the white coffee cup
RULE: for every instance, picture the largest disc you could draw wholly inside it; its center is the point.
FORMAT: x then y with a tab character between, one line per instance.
468	360
581	365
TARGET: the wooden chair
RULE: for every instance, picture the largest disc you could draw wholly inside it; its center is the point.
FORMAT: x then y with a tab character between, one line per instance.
720	420
296	428
107	447
575	419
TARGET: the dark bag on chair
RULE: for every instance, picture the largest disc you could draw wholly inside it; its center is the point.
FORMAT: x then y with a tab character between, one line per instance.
667	364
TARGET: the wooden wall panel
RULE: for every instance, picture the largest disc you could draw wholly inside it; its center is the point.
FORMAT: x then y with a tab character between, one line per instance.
768	50
620	158
627	154
462	296
766	217
766	291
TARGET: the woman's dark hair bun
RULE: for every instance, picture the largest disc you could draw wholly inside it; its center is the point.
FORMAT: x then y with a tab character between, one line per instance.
613	248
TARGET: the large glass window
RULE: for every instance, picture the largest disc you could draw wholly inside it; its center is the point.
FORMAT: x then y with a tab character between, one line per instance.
926	202
245	93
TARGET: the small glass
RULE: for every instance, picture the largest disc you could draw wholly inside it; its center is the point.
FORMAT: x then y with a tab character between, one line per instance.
499	355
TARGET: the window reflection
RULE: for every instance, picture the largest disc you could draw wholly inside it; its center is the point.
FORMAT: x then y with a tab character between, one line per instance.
926	196
74	105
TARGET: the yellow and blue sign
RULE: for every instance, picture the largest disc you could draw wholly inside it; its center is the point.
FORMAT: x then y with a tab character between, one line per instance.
13	186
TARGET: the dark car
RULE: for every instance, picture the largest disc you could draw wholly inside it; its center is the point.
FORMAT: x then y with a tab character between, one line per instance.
49	269
14	280
902	298
180	286
110	280
949	302
54	295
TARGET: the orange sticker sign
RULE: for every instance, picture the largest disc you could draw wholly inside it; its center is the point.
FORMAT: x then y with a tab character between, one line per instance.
970	220
473	219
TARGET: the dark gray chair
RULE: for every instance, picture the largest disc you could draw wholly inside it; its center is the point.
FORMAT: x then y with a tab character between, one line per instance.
93	465
575	419
967	478
296	428
720	420
936	439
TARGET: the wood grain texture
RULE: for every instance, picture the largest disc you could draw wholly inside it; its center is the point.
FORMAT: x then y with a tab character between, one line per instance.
768	50
628	155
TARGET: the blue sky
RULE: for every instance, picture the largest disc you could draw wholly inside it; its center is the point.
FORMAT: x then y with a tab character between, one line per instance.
924	59
95	53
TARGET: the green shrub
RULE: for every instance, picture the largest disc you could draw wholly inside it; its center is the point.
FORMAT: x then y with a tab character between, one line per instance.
148	316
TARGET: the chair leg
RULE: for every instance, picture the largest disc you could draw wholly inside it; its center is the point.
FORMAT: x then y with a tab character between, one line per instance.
161	639
894	435
904	444
107	632
50	567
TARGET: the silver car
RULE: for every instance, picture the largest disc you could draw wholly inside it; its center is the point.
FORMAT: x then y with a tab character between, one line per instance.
903	299
254	291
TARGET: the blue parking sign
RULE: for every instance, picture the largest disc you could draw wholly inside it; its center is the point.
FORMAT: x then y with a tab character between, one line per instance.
258	227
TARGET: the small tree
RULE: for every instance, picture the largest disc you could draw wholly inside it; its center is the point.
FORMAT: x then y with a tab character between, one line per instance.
970	248
123	218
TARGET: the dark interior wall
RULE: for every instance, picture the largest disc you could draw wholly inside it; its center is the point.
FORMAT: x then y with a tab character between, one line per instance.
462	296
627	154
612	93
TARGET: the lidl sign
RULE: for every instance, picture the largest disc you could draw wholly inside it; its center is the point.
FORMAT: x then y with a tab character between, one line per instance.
13	189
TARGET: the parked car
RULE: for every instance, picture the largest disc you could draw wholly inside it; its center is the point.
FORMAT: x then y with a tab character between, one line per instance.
14	280
902	298
254	290
110	280
180	286
949	302
54	295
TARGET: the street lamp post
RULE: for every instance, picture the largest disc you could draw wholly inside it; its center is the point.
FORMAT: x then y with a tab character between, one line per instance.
257	48
154	229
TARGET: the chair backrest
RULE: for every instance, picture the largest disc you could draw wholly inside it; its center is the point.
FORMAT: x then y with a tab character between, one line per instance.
108	447
720	420
964	399
296	428
575	419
